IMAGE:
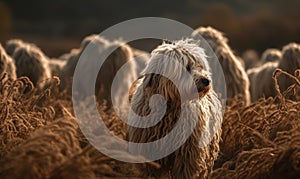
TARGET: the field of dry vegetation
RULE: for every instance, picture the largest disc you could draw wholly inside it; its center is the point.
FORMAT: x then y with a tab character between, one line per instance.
40	138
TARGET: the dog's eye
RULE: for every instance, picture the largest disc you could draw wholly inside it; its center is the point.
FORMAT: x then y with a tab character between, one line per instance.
188	68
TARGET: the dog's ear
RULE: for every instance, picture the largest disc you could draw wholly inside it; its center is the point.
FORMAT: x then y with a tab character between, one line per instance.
134	86
147	82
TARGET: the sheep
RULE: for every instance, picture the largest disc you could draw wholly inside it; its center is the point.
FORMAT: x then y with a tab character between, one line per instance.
56	66
12	45
7	65
251	59
235	75
73	57
70	55
109	69
142	58
271	55
75	53
31	62
262	84
290	63
106	76
92	38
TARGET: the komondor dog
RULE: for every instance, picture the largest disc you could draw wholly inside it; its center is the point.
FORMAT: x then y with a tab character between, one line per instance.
235	75
195	157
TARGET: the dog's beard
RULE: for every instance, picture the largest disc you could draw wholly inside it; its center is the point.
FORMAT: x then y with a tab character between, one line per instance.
204	91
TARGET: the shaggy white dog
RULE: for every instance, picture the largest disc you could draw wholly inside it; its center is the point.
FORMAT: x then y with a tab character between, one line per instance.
195	158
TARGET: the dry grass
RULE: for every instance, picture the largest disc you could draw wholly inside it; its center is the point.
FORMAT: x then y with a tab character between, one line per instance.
20	113
41	139
262	140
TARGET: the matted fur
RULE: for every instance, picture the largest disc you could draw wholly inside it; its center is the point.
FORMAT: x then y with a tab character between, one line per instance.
262	84
6	64
190	160
31	62
235	75
271	55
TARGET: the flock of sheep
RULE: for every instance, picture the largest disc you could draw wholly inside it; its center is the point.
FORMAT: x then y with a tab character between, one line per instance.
246	77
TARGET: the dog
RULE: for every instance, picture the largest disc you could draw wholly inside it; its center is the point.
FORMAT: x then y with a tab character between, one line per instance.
195	158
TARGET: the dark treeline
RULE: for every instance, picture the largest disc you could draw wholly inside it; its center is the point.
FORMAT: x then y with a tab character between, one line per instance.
248	24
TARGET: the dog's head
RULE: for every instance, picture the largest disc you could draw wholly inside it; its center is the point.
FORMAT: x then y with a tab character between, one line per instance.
175	69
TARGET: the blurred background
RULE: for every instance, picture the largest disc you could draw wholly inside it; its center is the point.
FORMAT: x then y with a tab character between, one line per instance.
59	25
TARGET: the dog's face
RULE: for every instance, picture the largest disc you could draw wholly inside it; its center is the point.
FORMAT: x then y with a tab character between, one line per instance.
200	76
180	69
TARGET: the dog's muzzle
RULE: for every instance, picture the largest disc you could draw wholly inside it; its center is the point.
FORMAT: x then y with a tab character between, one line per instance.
202	84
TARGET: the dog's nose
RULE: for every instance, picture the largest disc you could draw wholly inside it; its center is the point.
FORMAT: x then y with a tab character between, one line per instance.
205	81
